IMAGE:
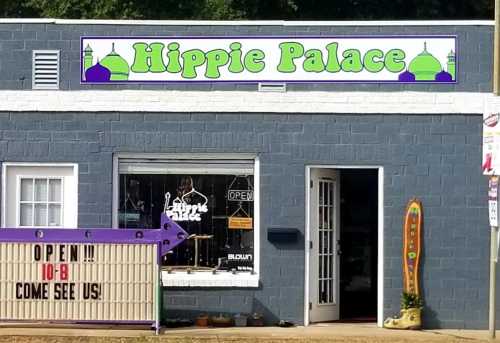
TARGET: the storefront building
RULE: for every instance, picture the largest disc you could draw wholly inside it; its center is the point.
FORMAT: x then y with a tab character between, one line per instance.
293	192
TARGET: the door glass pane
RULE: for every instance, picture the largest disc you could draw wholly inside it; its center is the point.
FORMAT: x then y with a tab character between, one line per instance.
26	189
320	242
55	190
54	215
331	291
320	218
326	252
40	190
40	214
26	215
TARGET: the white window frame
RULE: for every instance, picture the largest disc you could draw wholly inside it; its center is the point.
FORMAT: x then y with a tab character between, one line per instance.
19	179
202	278
74	182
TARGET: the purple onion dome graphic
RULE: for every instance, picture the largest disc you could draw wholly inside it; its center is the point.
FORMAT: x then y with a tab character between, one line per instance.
406	76
97	73
443	76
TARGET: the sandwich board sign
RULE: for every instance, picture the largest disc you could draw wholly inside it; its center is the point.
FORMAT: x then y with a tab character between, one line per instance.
84	275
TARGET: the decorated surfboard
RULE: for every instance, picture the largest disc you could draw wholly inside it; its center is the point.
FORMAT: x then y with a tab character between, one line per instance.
412	245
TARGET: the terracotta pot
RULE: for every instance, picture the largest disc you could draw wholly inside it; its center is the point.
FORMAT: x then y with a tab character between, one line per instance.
240	320
202	321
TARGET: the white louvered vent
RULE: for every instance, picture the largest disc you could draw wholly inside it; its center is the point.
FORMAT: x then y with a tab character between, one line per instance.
45	69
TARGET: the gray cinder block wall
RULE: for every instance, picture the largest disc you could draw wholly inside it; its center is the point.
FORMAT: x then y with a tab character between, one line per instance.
434	157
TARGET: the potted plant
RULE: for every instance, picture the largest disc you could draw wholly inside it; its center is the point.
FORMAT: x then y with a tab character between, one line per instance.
202	320
256	319
221	321
240	320
411	314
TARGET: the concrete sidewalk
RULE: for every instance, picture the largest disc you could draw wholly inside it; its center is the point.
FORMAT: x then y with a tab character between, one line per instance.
355	333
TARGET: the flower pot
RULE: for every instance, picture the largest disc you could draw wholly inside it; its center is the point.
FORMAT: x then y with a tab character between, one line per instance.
410	319
221	321
202	320
256	319
240	320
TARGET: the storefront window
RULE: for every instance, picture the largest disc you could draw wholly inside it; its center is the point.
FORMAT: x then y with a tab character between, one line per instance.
216	210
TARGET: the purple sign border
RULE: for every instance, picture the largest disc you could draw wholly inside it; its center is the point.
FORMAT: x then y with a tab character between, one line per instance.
455	37
167	237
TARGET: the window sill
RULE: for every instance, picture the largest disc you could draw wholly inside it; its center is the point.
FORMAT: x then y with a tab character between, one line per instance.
207	279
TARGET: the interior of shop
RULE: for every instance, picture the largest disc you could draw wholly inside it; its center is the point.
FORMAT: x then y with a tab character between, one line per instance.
358	245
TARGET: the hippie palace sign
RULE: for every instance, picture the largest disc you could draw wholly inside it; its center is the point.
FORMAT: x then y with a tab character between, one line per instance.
377	59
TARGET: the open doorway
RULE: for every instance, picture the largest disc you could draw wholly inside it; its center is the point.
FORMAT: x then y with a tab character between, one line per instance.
358	244
343	230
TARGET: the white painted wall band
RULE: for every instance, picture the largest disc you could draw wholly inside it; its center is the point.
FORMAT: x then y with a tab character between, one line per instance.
247	102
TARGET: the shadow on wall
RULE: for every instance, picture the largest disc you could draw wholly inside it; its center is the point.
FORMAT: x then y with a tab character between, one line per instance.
430	318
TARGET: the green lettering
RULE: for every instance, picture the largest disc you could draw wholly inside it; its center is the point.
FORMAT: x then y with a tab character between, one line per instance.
394	60
253	61
215	59
369	60
235	66
314	61
352	61
190	60
289	52
332	62
174	65
148	58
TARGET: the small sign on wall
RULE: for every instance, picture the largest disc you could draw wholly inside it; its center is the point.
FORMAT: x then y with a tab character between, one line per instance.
491	143
493	201
240	223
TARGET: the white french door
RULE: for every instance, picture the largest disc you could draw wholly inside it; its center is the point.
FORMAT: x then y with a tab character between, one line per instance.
324	233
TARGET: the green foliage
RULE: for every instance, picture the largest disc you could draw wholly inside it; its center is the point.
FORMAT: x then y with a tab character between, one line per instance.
410	300
85	9
249	9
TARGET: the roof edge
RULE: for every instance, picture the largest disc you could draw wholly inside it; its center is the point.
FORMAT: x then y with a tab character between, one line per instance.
248	22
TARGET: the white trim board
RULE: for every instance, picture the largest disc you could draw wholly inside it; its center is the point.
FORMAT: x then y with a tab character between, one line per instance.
245	101
249	22
380	251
